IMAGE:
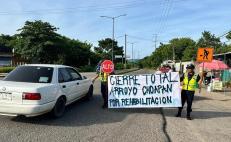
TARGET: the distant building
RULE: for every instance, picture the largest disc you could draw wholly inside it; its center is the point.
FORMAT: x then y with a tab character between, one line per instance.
168	62
6	56
181	66
225	57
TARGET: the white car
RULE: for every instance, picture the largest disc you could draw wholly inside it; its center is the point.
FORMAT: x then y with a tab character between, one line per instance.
35	89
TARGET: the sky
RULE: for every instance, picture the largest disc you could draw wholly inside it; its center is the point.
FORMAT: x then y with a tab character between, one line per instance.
145	20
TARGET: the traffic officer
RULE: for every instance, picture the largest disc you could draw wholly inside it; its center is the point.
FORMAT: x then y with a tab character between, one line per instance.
104	85
190	82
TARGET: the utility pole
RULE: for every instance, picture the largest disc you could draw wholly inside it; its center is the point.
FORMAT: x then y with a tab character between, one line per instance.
132	56
113	36
125	45
155	40
173	53
138	57
132	43
113	31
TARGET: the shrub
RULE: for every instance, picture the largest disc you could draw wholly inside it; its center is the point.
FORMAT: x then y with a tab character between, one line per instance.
86	68
119	66
6	69
129	66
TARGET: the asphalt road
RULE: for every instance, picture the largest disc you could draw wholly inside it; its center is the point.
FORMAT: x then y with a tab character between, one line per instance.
87	121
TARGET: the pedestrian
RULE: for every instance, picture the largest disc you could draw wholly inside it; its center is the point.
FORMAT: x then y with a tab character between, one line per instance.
104	85
165	69
190	82
168	68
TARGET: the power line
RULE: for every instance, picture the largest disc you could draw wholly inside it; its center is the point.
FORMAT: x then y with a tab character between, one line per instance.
165	16
155	19
155	40
79	8
106	7
162	22
140	38
146	39
227	32
165	7
118	37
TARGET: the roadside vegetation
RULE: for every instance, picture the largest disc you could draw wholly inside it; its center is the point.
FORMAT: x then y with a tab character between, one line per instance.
185	49
6	69
40	42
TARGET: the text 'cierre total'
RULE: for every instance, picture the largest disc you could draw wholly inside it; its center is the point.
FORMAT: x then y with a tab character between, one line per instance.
133	79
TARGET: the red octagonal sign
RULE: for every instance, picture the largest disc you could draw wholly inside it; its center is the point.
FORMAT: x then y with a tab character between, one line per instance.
107	66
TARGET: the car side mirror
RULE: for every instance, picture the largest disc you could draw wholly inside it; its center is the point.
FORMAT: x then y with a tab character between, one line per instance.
84	77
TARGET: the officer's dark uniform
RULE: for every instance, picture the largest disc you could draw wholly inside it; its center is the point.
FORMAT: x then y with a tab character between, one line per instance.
104	88
190	83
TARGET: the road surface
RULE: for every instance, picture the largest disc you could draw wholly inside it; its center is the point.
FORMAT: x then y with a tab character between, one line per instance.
87	122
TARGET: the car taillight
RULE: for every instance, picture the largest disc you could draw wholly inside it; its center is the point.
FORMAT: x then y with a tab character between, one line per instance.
31	96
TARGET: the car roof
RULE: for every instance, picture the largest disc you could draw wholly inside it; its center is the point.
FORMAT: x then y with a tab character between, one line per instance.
47	65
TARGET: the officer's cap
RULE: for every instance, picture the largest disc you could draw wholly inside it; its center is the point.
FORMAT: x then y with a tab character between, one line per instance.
190	66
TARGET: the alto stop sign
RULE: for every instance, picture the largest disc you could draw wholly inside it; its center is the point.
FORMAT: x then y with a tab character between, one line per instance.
107	66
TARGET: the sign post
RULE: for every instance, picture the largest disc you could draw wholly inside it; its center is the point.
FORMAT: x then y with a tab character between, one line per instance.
204	55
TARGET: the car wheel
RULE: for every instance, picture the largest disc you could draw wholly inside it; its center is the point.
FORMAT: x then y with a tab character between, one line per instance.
89	93
59	107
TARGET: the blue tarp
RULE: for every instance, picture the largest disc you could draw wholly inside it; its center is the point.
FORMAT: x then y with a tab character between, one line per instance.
226	76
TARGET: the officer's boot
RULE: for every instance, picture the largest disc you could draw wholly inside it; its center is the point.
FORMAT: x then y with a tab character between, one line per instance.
188	116
179	112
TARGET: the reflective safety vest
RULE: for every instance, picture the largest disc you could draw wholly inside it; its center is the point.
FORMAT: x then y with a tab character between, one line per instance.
103	76
189	85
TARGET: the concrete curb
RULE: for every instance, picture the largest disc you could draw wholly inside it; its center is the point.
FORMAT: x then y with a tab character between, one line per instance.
126	71
3	74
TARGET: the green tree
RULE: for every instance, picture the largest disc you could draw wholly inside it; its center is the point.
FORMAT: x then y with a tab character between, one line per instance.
5	42
162	53
75	53
5	39
36	42
165	52
190	53
209	40
179	45
104	49
228	36
185	49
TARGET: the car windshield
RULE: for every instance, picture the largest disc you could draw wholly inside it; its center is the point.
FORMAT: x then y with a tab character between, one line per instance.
31	74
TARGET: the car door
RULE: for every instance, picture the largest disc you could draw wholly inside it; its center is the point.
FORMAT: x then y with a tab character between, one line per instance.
86	84
66	83
78	81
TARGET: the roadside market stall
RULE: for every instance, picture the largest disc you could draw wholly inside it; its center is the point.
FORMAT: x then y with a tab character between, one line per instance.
219	73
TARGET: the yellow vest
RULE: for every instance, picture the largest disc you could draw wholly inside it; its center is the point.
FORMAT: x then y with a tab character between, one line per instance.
103	76
189	85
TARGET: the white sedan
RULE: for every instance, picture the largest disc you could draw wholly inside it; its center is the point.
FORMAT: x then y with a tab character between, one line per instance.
35	89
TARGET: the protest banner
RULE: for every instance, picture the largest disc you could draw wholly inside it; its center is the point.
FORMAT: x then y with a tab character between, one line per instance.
144	91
